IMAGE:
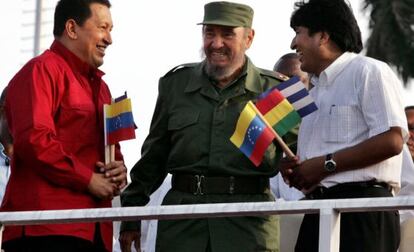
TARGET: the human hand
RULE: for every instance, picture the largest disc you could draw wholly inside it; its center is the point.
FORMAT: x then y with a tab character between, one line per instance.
115	171
308	174
102	187
286	167
127	237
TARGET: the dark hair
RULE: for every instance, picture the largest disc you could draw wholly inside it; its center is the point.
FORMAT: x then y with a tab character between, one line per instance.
283	65
332	16
78	10
409	108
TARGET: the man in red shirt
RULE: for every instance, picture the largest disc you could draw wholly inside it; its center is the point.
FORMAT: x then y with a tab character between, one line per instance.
54	110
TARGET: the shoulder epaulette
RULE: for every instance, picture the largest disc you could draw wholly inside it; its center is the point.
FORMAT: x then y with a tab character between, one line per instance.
274	74
180	67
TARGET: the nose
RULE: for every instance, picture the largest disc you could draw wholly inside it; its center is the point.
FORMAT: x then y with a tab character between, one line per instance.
217	42
108	38
293	43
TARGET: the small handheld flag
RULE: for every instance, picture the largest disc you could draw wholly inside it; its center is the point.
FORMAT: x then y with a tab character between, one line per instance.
283	106
277	111
118	124
119	121
252	135
296	93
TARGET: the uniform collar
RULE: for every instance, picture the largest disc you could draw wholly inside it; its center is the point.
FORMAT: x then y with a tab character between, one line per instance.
328	76
74	61
252	83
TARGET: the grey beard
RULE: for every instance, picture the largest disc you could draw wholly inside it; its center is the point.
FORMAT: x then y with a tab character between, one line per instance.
217	73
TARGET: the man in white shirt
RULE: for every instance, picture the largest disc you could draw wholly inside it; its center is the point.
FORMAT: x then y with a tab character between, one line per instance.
351	146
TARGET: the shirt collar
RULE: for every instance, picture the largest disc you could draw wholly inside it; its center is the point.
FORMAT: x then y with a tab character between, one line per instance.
328	75
252	82
74	61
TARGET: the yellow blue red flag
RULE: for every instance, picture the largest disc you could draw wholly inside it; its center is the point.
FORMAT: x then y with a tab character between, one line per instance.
252	136
119	121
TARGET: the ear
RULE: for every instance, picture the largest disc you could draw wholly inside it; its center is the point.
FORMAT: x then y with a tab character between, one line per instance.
325	38
250	37
70	29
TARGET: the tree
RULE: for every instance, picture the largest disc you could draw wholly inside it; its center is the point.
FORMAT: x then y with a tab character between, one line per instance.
392	34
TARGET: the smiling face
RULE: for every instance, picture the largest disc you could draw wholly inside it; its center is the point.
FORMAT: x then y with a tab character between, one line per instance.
94	36
225	48
308	48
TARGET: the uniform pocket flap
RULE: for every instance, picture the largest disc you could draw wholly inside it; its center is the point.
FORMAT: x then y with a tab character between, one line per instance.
181	120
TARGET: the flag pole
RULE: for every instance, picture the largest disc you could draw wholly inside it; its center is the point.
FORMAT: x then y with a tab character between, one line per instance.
284	146
109	149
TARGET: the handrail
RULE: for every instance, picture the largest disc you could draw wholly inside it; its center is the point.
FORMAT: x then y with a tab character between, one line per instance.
329	210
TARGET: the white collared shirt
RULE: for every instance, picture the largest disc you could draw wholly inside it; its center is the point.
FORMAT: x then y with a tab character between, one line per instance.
357	97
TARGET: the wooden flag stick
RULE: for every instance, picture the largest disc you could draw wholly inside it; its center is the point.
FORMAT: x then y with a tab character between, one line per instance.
109	153
284	146
109	149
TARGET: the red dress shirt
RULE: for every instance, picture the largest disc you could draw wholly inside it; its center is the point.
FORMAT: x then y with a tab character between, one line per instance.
54	110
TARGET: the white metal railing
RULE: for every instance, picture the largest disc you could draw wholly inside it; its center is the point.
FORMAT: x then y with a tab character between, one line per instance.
329	211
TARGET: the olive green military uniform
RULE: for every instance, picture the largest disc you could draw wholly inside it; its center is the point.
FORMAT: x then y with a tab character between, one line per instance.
190	134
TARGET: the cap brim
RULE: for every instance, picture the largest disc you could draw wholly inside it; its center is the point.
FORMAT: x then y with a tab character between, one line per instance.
219	22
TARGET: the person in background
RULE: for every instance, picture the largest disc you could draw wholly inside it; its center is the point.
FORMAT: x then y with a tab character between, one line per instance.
351	146
196	113
409	112
288	65
6	147
54	107
407	186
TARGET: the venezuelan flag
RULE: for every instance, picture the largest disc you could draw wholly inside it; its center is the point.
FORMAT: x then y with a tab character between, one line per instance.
119	121
278	111
252	136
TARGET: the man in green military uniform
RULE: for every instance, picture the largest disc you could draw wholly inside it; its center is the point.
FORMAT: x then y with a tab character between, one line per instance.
195	115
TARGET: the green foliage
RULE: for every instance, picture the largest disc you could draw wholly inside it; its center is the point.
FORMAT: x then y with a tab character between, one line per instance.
392	34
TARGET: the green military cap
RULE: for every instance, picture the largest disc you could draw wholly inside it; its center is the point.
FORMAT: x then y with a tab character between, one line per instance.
228	14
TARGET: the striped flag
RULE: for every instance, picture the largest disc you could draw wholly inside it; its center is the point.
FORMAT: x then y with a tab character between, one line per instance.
252	136
296	93
119	121
284	105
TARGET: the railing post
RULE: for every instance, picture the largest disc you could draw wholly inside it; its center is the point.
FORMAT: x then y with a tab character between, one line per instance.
1	235
329	225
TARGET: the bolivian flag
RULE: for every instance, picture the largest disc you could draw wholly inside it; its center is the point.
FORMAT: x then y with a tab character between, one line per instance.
284	105
252	136
119	121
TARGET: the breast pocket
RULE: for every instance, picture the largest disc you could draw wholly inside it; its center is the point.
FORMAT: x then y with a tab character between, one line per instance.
180	121
185	131
77	121
341	120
